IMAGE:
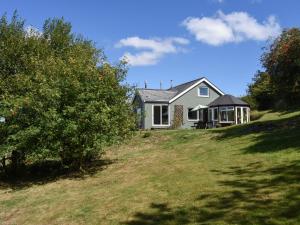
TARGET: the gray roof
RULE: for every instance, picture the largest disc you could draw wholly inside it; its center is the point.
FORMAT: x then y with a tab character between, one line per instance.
156	95
180	88
159	95
228	100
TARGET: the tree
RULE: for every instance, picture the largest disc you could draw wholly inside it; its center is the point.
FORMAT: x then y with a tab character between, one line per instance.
59	97
249	99
260	92
282	63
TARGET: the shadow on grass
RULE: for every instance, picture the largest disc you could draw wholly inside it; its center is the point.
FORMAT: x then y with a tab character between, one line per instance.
270	136
49	171
253	195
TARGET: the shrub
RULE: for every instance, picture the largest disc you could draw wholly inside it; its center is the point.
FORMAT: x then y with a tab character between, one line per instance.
58	95
147	134
256	115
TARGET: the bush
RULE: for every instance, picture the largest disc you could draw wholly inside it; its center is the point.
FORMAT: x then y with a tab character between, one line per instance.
58	95
146	134
256	115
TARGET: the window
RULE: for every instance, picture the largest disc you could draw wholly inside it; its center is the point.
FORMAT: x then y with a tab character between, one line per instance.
215	113
238	115
227	114
160	115
165	114
157	114
203	92
245	115
242	115
192	115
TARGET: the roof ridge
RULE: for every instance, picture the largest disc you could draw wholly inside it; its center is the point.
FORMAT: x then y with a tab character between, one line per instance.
154	89
187	82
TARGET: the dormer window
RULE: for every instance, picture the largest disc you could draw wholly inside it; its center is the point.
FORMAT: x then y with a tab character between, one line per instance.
203	92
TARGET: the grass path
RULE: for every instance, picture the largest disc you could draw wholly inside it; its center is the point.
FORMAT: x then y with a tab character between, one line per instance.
239	175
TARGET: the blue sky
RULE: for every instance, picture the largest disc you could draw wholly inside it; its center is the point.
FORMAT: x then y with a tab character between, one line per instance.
172	39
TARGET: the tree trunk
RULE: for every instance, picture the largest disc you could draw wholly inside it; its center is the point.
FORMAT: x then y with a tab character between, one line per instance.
17	161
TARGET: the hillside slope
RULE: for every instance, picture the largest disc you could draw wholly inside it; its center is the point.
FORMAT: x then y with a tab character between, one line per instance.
238	175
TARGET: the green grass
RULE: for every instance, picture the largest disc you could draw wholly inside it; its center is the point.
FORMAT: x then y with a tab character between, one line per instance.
238	175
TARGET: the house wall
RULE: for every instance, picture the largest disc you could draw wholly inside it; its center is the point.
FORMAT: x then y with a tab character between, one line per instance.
188	100
191	100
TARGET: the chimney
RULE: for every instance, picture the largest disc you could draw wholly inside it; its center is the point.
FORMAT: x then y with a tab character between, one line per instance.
160	84
171	83
145	84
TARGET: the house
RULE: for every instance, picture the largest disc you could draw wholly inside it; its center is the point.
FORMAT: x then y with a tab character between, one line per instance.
188	104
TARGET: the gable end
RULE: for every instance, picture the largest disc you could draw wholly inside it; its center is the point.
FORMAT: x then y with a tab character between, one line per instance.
194	85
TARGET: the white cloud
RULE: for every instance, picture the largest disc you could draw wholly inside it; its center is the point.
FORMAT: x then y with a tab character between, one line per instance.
211	31
150	51
233	27
142	59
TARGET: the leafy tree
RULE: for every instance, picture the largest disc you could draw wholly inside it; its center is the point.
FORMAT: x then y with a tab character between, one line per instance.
59	97
260	92
249	99
282	63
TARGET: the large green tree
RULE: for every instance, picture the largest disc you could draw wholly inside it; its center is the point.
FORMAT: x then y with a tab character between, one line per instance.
282	63
59	97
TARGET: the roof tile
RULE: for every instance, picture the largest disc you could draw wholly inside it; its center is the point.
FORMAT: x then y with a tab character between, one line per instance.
226	100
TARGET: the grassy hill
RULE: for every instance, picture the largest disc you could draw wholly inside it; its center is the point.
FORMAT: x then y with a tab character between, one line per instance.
238	175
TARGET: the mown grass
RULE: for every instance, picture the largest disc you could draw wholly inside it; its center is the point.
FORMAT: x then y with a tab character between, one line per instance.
238	175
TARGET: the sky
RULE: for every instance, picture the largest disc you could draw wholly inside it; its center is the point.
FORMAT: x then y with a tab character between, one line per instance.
178	40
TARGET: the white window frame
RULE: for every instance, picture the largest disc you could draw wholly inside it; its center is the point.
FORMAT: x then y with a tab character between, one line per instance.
160	125
247	115
204	96
225	108
213	114
187	116
241	108
236	114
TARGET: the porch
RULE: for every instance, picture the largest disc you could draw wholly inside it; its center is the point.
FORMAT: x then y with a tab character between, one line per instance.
224	111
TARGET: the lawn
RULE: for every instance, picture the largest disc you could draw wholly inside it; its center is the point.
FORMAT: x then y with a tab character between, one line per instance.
238	175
